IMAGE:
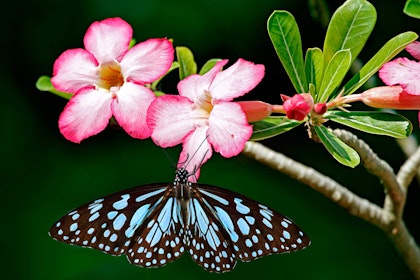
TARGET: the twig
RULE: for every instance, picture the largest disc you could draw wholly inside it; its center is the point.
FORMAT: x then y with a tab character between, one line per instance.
409	169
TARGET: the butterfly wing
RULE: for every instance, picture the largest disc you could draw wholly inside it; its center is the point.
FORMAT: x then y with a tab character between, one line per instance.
241	228
207	242
137	222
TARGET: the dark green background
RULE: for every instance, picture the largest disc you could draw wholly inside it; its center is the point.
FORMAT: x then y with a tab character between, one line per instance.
44	176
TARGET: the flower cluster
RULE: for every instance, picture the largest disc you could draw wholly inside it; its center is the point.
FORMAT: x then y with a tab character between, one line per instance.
109	79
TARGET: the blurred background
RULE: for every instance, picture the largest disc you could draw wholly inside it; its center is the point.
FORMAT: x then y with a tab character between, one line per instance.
44	176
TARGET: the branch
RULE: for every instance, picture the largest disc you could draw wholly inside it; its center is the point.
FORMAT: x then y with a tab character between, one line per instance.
395	195
356	205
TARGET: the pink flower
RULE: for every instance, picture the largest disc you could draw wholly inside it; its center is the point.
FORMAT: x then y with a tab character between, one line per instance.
298	106
392	97
202	117
255	110
404	72
108	79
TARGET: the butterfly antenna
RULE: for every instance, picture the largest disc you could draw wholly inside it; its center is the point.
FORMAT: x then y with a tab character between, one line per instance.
187	161
173	164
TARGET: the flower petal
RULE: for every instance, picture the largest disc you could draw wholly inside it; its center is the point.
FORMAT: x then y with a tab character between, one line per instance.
147	61
195	86
86	114
229	129
236	80
196	150
108	39
404	72
74	70
170	119
414	49
130	109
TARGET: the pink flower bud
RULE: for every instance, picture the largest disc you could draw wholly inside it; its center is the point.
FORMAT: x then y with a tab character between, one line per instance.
298	106
393	97
320	108
255	110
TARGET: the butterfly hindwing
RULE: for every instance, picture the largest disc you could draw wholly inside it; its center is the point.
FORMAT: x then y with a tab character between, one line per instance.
208	245
160	239
255	230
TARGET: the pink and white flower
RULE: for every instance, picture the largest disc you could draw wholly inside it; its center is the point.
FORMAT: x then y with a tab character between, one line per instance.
405	73
108	79
202	117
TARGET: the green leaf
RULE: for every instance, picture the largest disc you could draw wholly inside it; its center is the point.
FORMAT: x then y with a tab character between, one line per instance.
187	65
412	8
285	36
381	123
385	54
174	66
272	126
349	28
314	66
44	84
337	148
208	65
334	74
132	43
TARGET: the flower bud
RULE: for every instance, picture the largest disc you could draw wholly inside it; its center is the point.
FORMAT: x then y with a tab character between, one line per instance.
298	106
393	97
255	110
320	108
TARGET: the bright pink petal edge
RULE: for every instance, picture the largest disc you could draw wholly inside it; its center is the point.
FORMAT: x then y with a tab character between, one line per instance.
130	109
147	61
87	113
228	129
237	80
414	49
74	70
109	39
404	72
169	118
196	150
195	86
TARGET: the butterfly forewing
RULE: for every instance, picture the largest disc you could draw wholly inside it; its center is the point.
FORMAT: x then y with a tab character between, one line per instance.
110	224
254	230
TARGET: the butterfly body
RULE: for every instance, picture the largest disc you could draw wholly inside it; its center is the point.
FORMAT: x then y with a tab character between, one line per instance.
155	224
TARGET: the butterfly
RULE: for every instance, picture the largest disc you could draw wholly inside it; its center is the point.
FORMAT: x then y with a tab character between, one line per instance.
155	224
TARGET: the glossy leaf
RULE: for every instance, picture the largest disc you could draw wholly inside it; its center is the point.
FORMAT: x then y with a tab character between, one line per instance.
187	65
412	8
349	28
285	36
272	126
334	74
381	123
208	65
337	148
314	66
385	54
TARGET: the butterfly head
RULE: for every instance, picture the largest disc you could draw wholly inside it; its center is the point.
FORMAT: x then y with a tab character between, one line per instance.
181	176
